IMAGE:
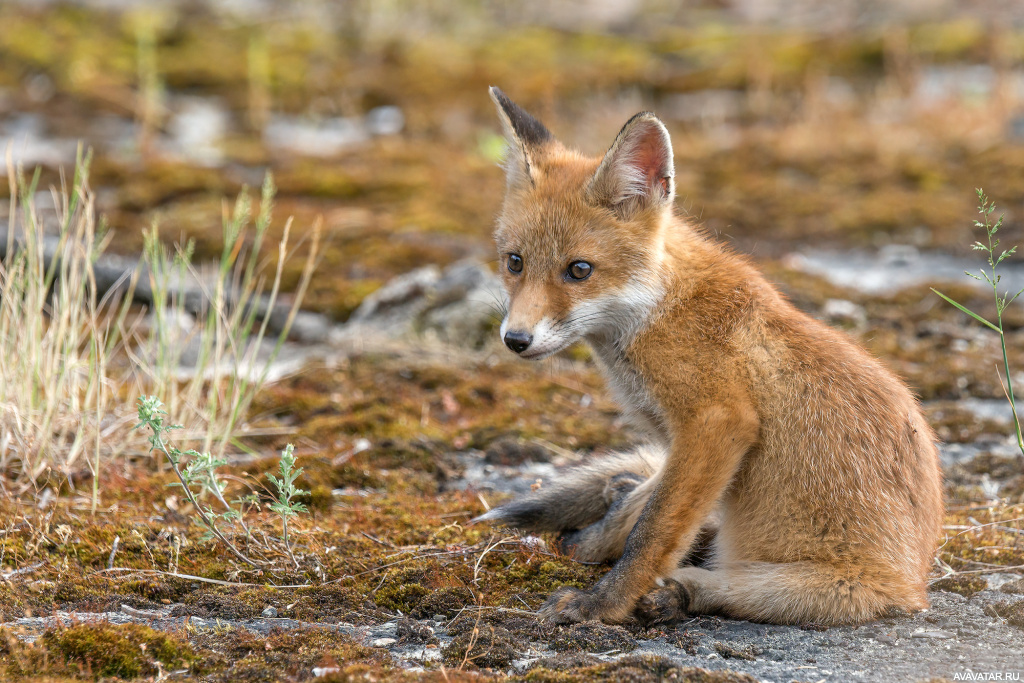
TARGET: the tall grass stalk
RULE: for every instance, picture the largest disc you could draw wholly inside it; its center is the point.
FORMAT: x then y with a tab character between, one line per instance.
226	355
991	247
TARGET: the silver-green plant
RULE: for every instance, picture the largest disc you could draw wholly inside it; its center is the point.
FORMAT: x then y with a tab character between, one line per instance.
991	247
200	471
285	505
198	474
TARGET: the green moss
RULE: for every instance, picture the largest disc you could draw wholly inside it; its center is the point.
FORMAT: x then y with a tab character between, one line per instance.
637	669
124	650
965	585
401	593
593	636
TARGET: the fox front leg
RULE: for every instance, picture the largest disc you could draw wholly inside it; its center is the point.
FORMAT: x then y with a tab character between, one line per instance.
707	450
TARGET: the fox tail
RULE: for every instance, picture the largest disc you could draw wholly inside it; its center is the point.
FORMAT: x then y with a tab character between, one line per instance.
593	506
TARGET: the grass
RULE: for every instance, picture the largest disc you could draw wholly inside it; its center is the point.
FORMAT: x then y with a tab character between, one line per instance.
59	383
991	247
224	350
69	351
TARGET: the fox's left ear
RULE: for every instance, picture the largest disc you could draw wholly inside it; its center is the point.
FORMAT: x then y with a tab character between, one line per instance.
637	171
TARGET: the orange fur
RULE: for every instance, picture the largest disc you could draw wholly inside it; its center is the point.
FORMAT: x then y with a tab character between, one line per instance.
815	460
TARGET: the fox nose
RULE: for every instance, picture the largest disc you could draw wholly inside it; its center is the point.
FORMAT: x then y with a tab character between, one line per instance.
518	341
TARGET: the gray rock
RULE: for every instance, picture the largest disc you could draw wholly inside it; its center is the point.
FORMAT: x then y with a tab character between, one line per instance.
457	305
270	612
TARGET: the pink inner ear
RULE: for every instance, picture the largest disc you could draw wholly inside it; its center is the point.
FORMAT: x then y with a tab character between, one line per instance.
650	157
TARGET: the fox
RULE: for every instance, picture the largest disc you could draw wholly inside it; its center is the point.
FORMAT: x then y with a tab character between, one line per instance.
786	475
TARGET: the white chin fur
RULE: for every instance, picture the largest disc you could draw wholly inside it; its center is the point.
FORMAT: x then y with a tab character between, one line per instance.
546	341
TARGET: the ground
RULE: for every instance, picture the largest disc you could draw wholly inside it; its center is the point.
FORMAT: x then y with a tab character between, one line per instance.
843	162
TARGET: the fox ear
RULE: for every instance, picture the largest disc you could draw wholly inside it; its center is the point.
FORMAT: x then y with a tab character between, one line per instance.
525	136
637	171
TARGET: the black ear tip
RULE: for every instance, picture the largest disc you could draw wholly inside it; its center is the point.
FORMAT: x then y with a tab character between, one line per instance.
529	130
499	96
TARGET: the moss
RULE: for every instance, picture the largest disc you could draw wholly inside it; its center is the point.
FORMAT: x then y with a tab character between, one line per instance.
123	650
637	669
964	584
1013	612
239	655
546	576
227	603
748	653
593	636
447	601
485	648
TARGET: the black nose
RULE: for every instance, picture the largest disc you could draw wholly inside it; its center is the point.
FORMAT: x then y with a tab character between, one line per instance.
518	341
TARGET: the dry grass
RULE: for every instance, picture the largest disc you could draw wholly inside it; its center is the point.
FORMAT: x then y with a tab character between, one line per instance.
73	359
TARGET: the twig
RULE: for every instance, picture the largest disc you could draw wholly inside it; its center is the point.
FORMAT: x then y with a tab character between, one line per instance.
113	552
202	579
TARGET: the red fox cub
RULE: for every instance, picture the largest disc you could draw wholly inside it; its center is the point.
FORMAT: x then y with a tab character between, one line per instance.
790	477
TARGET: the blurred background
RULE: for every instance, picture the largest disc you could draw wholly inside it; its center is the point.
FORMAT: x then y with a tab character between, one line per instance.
825	124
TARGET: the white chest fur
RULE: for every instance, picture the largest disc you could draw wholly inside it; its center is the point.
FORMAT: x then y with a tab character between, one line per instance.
629	388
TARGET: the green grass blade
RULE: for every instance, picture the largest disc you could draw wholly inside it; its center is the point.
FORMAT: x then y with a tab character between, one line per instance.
967	311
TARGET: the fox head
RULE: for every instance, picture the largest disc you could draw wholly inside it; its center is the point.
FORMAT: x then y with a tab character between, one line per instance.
581	241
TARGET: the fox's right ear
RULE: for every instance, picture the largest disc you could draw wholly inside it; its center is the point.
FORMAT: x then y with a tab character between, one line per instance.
525	136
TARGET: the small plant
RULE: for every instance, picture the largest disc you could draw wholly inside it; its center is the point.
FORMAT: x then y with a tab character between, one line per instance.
201	470
986	208
198	475
286	506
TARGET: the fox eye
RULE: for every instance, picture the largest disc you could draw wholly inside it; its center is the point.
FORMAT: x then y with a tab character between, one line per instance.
580	270
515	263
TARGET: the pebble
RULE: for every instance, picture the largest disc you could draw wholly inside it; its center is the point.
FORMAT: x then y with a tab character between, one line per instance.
270	612
940	635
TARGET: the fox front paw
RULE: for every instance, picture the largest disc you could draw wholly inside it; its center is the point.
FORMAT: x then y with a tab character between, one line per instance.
570	605
663	605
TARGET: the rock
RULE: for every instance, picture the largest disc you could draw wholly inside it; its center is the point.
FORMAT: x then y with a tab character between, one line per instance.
456	305
271	613
749	653
845	313
383	642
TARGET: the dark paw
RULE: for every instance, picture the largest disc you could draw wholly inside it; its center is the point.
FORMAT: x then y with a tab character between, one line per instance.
569	606
663	605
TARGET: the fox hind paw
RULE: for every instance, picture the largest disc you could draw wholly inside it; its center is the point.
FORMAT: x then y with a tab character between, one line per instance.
663	605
